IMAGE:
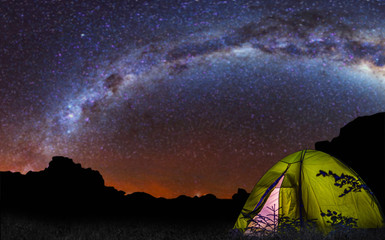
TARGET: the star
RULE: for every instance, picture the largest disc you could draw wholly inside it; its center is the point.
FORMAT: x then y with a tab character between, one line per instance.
188	97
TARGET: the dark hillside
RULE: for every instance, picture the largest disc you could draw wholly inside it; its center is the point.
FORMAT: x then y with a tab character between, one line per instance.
65	189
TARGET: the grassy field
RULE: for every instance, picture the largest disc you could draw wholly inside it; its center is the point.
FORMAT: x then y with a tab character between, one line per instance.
24	227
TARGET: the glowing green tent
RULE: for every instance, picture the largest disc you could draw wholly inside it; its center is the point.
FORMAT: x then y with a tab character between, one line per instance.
309	186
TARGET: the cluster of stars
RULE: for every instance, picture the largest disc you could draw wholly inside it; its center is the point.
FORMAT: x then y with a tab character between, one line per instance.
189	97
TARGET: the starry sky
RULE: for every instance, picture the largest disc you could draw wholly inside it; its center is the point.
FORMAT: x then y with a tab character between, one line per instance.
183	97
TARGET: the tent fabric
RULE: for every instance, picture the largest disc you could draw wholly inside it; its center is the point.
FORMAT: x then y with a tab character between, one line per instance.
330	192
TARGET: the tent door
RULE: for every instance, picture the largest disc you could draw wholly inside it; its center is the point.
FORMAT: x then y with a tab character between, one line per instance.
267	218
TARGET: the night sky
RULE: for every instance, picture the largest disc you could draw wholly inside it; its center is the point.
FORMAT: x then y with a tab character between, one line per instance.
183	97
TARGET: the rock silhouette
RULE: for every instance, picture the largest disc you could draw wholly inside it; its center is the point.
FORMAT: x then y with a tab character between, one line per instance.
361	145
241	196
65	189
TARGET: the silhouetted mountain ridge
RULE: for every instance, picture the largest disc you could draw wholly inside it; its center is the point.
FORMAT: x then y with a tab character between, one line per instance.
65	188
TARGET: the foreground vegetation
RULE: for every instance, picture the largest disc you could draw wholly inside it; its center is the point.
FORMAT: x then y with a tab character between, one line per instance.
27	227
22	227
313	234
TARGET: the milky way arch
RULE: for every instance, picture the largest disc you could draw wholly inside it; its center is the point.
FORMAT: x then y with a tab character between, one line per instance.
194	97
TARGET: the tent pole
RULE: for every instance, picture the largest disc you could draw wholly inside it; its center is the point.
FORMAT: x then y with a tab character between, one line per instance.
300	189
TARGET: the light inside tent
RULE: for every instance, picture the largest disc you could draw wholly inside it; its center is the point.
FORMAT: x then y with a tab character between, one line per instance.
267	219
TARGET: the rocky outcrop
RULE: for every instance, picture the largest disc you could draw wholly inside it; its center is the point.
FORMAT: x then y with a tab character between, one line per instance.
62	187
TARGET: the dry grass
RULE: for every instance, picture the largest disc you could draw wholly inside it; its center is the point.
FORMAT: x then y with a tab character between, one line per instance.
24	227
109	229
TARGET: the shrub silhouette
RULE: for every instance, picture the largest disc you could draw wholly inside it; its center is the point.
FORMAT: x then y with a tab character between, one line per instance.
353	183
